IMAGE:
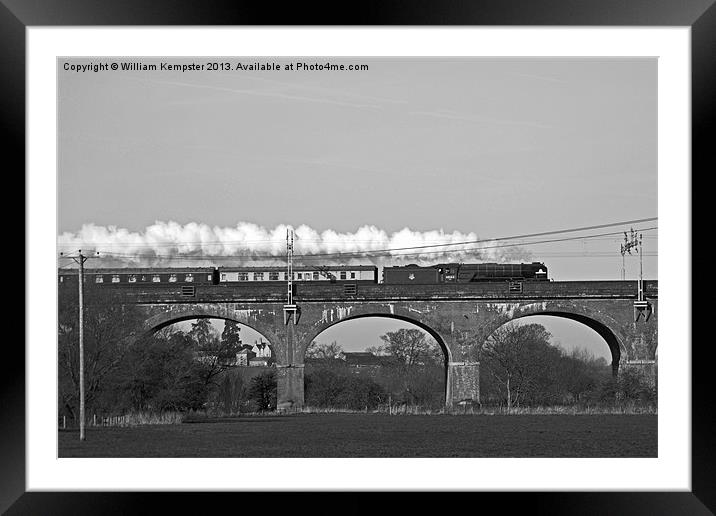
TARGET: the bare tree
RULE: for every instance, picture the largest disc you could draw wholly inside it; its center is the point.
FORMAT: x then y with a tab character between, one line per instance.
513	356
317	350
107	328
416	360
410	347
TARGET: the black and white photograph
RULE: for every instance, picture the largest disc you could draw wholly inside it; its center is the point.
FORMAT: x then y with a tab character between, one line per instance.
357	257
410	249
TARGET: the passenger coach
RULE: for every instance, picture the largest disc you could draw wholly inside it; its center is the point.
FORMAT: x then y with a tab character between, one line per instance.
358	273
147	276
220	275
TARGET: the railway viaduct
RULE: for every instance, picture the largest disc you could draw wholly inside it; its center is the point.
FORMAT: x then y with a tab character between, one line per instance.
459	316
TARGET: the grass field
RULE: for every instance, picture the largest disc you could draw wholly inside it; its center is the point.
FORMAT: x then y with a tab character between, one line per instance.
376	435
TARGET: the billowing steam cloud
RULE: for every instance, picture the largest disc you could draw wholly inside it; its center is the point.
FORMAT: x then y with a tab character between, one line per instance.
194	244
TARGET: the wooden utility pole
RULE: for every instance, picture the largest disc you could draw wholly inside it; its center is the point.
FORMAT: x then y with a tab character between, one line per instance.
81	261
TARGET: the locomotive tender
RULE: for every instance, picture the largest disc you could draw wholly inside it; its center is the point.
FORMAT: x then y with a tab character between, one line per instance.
360	274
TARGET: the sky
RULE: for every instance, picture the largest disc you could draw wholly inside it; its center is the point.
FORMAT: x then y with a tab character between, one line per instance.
474	148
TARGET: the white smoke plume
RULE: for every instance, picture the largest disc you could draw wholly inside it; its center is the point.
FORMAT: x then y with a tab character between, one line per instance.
195	244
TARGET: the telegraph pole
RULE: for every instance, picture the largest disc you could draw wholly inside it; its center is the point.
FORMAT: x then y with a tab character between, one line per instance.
81	261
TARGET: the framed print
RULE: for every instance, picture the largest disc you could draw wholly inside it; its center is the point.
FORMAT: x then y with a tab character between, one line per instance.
274	175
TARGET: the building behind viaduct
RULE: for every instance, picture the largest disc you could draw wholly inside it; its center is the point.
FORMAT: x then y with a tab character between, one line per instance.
460	317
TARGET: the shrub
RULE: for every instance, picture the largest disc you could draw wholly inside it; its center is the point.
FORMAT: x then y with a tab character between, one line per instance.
262	391
325	388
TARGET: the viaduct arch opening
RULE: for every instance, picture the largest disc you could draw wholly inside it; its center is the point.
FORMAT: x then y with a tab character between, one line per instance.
423	378
228	368
542	373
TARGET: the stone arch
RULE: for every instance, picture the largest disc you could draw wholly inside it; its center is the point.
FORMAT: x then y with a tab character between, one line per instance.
605	326
392	312
174	315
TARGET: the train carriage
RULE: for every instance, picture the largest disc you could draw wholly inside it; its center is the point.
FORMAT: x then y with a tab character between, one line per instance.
145	276
148	277
322	274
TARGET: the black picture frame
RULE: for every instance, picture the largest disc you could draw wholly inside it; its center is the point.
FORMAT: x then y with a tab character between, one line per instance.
17	15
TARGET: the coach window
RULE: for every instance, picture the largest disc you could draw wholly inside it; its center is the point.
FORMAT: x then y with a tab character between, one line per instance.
223	276
156	278
98	279
343	274
115	278
132	278
189	278
273	276
353	275
242	276
173	278
258	276
299	275
316	276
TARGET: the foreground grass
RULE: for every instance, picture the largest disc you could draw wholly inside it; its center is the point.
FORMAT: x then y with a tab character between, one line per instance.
488	410
377	435
175	418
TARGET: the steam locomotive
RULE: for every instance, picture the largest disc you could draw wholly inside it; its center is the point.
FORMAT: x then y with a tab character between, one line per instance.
408	274
465	273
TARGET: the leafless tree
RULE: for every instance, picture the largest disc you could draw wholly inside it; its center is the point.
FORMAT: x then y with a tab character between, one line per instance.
317	350
513	356
108	327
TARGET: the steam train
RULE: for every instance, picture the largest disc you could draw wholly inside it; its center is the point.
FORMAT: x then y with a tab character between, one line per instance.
365	274
465	273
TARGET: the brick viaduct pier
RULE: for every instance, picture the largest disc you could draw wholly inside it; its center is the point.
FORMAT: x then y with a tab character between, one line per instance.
459	316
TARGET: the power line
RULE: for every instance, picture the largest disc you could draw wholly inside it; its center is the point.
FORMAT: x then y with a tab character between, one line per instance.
519	244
